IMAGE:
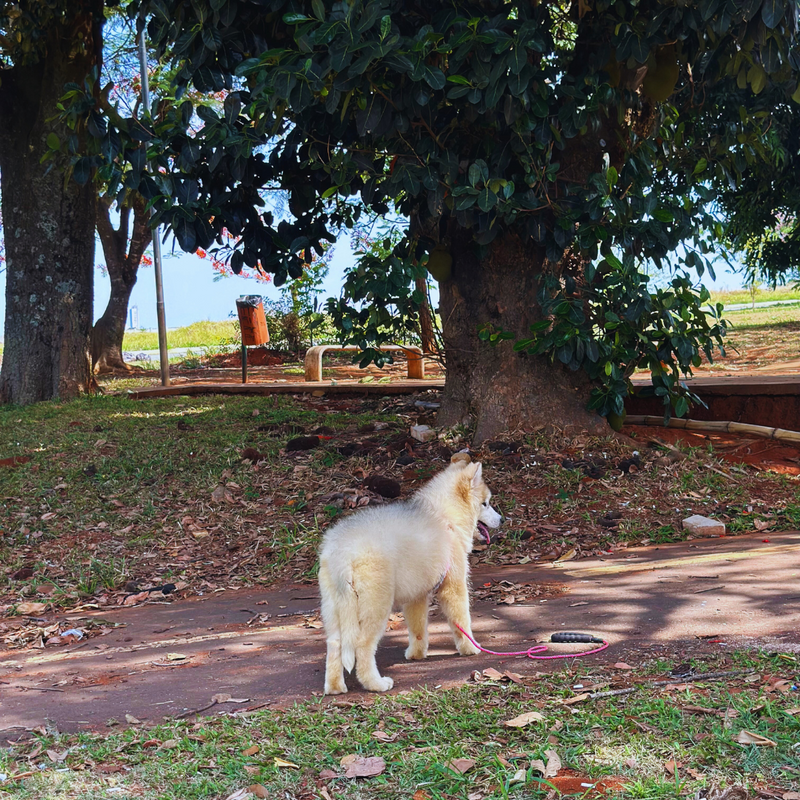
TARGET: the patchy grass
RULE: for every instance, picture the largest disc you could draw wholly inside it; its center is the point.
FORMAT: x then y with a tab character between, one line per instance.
662	742
118	493
762	295
198	334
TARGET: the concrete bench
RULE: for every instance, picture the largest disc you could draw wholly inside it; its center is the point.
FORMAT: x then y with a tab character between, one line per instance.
313	362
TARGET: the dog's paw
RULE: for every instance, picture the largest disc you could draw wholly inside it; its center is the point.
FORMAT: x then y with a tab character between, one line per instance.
466	648
332	688
380	685
416	653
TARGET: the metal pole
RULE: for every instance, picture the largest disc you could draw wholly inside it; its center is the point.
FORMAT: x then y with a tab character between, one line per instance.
160	315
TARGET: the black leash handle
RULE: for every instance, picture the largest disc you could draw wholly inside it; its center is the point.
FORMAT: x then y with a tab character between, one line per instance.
567	637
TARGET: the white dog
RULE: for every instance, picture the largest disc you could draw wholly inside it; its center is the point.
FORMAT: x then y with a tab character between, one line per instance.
400	554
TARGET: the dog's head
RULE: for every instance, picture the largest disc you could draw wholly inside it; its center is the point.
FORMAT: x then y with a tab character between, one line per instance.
479	496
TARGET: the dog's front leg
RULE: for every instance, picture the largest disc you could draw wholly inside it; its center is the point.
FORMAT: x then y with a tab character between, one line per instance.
453	597
416	615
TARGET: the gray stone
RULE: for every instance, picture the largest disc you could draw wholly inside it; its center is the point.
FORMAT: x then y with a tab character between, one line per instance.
422	433
704	526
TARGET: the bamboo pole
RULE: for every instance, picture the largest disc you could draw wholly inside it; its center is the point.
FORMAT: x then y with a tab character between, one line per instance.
761	431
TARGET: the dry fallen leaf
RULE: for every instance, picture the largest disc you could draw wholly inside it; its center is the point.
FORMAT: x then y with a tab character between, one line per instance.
31	608
131	720
133	599
553	766
622	665
280	762
568	556
672	766
241	794
492	674
328	774
259	790
524	719
792	712
251	751
748	737
579	698
57	757
519	776
460	765
362	766
420	795
382	736
170	744
791	796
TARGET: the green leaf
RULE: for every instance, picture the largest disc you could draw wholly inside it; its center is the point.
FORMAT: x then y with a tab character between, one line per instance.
460	79
487	199
772	12
295	19
663	215
53	142
611	177
318	7
700	166
614	262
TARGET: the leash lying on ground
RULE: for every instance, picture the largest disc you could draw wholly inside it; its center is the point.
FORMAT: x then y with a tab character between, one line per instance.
557	638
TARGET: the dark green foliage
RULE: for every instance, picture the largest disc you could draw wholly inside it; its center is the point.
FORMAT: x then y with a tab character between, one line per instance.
471	119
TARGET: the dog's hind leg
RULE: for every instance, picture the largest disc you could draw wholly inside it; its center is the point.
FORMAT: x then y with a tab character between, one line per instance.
454	599
334	669
416	615
375	600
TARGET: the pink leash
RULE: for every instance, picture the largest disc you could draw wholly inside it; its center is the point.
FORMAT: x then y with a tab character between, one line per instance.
532	652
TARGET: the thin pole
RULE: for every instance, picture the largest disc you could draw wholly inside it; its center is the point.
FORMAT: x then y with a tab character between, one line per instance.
160	315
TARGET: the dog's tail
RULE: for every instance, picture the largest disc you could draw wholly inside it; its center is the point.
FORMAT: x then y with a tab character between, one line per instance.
348	624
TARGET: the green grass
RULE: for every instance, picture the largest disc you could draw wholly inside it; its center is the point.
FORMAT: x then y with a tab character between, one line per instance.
198	334
773	316
108	475
763	295
632	737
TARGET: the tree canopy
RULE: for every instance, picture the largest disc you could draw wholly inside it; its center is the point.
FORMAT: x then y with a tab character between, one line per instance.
543	154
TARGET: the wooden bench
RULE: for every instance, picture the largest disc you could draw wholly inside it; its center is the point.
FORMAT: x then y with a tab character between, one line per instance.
313	362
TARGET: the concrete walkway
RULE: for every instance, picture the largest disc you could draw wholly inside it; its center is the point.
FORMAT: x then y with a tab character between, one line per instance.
648	603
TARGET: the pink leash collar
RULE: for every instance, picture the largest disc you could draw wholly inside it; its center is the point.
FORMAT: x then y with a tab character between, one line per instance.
533	652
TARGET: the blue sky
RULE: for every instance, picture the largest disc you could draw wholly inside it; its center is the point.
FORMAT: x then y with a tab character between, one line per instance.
191	294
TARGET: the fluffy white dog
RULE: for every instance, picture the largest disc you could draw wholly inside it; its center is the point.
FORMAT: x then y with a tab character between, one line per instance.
399	555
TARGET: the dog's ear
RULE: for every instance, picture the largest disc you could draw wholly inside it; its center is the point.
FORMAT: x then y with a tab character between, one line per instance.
460	458
477	475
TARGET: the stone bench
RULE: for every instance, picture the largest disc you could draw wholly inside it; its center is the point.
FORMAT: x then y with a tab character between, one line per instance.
313	362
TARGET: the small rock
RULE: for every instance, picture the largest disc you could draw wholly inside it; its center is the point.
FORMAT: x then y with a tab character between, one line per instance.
704	526
405	459
422	433
302	443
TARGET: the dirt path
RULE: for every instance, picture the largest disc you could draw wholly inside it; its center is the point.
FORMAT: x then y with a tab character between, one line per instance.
674	602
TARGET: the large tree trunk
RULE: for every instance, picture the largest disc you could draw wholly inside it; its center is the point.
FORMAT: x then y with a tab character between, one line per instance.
49	222
494	389
122	261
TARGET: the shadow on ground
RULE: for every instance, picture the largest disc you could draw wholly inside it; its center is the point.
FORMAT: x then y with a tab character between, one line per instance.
675	602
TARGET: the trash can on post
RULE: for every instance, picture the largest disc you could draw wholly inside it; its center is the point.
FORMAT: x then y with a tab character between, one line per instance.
253	325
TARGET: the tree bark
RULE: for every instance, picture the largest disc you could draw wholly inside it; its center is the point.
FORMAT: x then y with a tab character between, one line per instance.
49	222
426	333
123	259
492	388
